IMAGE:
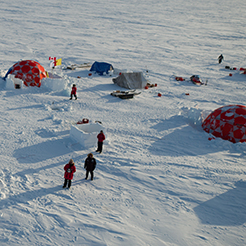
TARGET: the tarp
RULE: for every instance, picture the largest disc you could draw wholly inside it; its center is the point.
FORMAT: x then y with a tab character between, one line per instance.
133	80
101	67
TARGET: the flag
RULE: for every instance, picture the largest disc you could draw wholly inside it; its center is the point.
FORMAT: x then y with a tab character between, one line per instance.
52	58
58	62
53	62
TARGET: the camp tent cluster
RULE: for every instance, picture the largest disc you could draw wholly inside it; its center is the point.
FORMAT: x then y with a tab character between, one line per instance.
32	73
227	122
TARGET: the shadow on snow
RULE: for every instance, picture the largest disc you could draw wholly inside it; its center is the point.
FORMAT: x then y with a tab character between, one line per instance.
227	209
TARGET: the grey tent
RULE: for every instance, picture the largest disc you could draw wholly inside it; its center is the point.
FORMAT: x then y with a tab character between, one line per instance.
134	80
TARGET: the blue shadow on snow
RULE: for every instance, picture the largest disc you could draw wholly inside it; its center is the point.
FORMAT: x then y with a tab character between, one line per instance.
227	209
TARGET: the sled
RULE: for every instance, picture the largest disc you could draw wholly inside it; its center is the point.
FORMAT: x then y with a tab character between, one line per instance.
195	79
125	94
74	66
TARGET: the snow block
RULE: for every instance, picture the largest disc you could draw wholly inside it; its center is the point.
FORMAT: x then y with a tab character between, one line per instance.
86	134
55	84
13	83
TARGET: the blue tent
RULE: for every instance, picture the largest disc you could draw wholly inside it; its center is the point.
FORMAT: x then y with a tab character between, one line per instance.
101	67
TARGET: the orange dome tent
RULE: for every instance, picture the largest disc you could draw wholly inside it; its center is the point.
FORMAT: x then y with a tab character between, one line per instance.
31	72
228	123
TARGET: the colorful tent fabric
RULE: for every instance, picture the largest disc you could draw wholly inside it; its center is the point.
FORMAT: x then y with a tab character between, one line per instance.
227	122
31	72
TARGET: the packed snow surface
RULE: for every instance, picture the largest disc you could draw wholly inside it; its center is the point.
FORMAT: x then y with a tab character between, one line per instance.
159	180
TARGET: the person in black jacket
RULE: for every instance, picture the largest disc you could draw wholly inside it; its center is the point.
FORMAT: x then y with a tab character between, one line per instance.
220	58
90	165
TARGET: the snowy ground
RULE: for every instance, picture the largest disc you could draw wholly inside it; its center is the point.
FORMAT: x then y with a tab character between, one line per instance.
159	180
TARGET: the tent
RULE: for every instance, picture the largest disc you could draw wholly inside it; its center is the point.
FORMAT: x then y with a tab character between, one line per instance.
31	72
228	123
133	80
101	67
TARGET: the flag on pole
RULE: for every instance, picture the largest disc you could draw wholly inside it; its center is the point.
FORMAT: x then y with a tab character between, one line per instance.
53	62
58	62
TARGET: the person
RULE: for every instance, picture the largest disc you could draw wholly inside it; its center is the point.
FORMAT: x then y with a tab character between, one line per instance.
70	169
73	92
101	138
90	165
220	58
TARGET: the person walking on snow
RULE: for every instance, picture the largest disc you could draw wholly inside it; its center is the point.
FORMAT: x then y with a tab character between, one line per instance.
101	138
70	169
220	58
90	165
73	92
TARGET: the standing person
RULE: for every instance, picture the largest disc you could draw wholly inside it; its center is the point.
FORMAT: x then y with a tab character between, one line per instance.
73	92
220	58
90	165
70	169
101	138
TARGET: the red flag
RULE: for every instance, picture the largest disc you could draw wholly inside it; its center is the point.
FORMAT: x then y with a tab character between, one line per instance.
52	58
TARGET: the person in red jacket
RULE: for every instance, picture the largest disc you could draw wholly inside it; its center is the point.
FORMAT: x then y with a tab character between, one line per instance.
101	138
73	92
70	169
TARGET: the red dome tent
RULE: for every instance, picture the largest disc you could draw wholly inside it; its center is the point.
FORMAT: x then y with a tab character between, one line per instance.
227	122
31	72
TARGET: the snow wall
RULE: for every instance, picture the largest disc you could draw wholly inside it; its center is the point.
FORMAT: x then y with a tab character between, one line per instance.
86	134
57	84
